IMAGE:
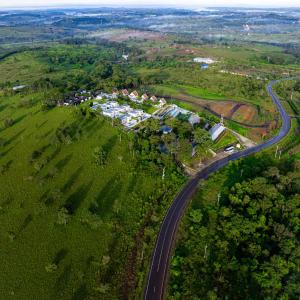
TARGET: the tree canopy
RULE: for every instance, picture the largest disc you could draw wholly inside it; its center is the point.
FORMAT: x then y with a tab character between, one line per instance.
246	244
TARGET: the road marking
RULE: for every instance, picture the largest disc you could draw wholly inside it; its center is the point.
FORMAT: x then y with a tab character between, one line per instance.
174	211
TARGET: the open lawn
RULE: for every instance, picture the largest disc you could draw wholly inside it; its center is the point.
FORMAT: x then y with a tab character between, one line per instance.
177	89
227	139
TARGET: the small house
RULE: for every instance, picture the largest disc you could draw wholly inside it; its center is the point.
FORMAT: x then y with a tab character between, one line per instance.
194	119
204	66
125	56
125	93
166	129
153	99
115	92
134	94
145	97
162	101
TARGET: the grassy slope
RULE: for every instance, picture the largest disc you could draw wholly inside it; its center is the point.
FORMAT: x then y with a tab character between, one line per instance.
30	200
177	89
22	67
119	189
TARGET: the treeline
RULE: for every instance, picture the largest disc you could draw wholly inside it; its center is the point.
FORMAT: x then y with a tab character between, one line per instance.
244	244
86	66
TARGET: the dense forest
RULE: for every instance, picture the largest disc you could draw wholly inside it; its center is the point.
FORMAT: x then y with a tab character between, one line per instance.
241	241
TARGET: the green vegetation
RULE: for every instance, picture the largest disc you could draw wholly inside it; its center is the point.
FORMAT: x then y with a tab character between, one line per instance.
77	194
289	92
81	199
239	237
239	129
226	139
176	90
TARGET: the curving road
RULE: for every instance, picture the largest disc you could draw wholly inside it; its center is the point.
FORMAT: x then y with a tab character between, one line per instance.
157	277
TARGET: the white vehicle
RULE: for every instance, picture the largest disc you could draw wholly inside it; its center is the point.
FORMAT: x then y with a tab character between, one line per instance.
229	149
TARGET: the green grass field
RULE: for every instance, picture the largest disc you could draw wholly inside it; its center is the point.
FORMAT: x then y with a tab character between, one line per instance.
50	253
177	89
226	139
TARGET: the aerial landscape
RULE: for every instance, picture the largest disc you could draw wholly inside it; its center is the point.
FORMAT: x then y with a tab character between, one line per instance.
148	151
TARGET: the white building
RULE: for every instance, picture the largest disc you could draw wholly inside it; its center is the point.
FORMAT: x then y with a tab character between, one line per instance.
194	119
205	60
216	131
162	102
125	56
129	117
18	87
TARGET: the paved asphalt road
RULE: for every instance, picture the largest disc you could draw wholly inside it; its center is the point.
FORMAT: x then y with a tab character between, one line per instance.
157	277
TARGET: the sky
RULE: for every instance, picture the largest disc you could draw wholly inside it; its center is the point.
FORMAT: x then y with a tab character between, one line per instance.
178	3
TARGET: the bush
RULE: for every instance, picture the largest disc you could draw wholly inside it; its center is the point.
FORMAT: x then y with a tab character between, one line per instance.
8	122
100	156
48	104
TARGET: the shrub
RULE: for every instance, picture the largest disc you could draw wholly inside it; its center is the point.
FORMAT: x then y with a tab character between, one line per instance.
48	104
8	122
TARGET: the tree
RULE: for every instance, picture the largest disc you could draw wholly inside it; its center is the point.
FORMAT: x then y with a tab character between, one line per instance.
100	156
8	122
249	246
196	216
202	138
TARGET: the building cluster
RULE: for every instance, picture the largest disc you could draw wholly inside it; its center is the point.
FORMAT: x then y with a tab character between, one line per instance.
174	111
128	116
77	98
136	97
205	60
83	95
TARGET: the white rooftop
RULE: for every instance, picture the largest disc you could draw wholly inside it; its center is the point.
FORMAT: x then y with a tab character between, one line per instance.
216	131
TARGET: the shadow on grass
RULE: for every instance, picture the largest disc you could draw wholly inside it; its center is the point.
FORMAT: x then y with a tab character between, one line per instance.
114	265
103	204
46	134
42	124
74	201
7	201
62	163
81	293
60	255
3	153
90	128
14	137
132	184
63	280
54	154
19	119
111	142
5	167
3	107
71	180
44	148
25	223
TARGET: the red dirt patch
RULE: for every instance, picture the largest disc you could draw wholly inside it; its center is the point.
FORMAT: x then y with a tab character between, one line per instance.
245	113
221	107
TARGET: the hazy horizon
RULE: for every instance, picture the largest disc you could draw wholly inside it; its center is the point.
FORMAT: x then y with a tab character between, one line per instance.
31	4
